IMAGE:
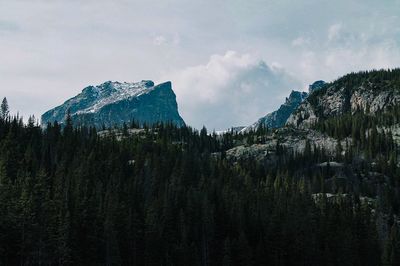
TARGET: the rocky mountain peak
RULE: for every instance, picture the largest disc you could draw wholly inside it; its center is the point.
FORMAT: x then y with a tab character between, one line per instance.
113	103
296	96
372	92
316	86
279	117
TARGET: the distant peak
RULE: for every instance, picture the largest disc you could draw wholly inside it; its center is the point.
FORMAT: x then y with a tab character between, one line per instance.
296	96
166	84
116	86
110	84
147	83
114	102
316	86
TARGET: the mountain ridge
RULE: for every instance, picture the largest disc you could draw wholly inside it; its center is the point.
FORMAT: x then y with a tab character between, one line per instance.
279	117
362	91
113	103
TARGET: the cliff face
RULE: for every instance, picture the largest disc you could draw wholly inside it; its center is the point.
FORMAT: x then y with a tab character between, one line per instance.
279	117
113	103
317	85
371	92
292	139
351	93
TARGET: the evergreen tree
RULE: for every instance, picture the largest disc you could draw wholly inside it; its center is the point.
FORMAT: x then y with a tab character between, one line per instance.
4	109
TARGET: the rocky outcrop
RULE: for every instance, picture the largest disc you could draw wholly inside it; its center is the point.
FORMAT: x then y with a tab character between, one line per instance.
279	117
317	85
303	117
394	130
114	103
372	100
291	139
340	97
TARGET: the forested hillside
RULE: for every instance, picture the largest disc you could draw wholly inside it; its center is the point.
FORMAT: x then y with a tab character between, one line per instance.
70	197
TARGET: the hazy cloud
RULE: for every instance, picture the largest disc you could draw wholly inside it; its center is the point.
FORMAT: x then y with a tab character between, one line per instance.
300	41
334	31
230	89
8	26
159	40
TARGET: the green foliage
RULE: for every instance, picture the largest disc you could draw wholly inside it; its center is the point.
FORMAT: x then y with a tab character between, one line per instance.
378	80
4	109
69	197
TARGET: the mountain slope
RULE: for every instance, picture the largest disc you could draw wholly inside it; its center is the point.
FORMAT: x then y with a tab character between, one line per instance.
370	92
279	117
113	103
364	105
319	84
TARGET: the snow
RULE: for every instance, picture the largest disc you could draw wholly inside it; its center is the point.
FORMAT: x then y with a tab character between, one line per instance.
111	92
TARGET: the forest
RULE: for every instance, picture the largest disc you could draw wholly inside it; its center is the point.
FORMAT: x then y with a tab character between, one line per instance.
161	196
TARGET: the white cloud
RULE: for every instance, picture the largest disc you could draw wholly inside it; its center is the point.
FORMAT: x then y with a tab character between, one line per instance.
231	89
300	41
334	31
172	40
159	40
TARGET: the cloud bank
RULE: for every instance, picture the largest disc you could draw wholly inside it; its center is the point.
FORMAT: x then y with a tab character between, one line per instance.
230	90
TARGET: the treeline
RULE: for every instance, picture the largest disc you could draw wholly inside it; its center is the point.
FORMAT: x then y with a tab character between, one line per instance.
380	79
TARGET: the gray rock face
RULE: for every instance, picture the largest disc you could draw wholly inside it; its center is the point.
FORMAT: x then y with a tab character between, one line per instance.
113	103
366	97
317	85
334	100
279	117
291	139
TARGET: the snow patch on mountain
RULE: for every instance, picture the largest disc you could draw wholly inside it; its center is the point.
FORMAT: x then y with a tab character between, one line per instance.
111	92
114	103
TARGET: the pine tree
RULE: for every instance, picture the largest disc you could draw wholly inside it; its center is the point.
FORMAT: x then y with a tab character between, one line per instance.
4	109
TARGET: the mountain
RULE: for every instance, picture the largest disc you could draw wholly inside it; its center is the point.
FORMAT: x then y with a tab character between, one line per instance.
319	84
371	92
342	111
290	139
115	103
279	117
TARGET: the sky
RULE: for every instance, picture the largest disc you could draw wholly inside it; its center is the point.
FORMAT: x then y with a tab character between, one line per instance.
230	61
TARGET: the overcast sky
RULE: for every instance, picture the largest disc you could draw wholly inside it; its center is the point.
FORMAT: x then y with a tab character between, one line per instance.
230	62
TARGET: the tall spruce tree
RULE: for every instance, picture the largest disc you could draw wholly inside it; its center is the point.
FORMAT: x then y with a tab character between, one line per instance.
4	109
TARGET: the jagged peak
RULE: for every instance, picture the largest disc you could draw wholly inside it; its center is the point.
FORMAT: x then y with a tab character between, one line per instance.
298	93
148	83
296	96
95	99
316	86
369	91
279	117
167	84
125	89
